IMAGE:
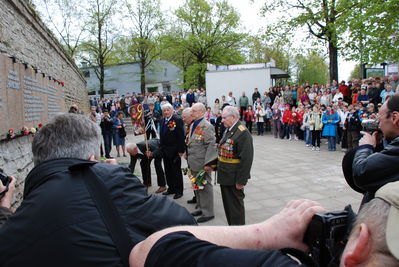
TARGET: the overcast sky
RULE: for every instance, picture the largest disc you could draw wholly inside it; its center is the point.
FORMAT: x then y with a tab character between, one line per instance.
252	22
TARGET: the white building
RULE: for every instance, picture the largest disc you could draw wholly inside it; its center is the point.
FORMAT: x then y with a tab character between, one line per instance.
220	80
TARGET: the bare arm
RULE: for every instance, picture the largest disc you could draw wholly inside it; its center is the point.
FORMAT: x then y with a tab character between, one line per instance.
286	229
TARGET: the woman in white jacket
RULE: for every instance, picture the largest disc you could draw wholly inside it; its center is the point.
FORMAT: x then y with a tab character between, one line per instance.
260	120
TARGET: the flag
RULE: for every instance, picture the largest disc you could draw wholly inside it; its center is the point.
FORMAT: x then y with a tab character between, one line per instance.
137	116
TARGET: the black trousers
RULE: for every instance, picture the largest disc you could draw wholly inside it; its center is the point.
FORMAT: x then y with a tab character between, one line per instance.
107	144
233	203
174	176
248	124
316	138
145	165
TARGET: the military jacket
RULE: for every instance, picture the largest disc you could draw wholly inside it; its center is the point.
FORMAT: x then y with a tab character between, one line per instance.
201	149
235	156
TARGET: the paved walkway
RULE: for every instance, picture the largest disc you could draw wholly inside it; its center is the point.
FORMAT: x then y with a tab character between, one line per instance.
282	170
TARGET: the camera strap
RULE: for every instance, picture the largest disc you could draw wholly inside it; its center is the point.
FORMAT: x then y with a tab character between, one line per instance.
109	213
301	256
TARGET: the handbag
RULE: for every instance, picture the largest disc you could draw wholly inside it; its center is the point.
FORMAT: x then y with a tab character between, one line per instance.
122	132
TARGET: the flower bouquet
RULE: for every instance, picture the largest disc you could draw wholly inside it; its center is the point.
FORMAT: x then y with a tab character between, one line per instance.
198	182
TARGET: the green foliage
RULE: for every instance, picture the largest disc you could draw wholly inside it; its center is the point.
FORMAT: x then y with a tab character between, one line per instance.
355	74
318	17
261	49
372	27
147	25
311	68
209	33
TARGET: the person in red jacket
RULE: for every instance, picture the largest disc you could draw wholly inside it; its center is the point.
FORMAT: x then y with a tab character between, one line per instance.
287	117
249	117
293	122
344	89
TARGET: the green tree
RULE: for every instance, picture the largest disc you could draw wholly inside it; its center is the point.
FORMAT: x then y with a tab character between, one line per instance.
260	49
356	72
177	54
96	50
319	17
210	34
63	17
146	28
311	68
372	27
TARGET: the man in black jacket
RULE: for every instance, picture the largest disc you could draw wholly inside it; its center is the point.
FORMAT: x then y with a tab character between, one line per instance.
106	125
58	222
370	169
172	147
147	152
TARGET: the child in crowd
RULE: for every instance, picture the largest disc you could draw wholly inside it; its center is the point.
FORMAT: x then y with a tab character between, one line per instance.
330	120
294	124
306	127
315	125
286	119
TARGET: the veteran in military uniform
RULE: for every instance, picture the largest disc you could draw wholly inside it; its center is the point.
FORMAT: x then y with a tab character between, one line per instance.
201	154
235	156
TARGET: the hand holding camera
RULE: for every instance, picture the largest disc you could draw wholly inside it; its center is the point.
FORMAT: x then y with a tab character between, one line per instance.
369	139
7	188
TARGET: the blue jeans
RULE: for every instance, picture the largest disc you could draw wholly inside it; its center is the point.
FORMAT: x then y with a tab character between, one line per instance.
308	136
331	143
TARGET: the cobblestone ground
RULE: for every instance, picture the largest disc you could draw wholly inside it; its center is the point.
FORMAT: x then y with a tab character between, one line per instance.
282	171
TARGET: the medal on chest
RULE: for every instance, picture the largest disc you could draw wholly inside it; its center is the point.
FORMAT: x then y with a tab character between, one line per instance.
226	149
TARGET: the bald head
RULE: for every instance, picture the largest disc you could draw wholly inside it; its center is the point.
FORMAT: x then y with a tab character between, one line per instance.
198	110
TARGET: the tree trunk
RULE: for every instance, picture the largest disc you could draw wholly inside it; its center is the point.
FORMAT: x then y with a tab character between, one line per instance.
102	74
333	56
142	76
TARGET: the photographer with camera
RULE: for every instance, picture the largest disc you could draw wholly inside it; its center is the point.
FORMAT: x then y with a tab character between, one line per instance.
77	211
373	241
367	170
7	187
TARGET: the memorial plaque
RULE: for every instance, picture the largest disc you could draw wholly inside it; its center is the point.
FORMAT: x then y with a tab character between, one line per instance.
26	97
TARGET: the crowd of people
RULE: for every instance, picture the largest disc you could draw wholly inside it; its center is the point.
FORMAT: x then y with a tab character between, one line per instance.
307	112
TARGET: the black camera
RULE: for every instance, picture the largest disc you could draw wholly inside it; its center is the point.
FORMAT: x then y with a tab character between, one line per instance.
5	180
370	125
327	235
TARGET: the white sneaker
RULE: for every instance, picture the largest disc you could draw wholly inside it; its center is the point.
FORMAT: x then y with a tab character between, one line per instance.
313	148
296	138
307	145
290	138
317	148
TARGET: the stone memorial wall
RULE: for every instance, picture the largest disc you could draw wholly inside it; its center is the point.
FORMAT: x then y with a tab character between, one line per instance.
32	64
27	98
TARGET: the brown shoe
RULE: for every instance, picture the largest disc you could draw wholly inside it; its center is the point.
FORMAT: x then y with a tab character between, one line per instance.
160	189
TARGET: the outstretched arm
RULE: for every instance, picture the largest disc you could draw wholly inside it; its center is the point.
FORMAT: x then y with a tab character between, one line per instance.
286	229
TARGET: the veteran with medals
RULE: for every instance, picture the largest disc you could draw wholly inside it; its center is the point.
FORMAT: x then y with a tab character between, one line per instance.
235	156
172	148
201	155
